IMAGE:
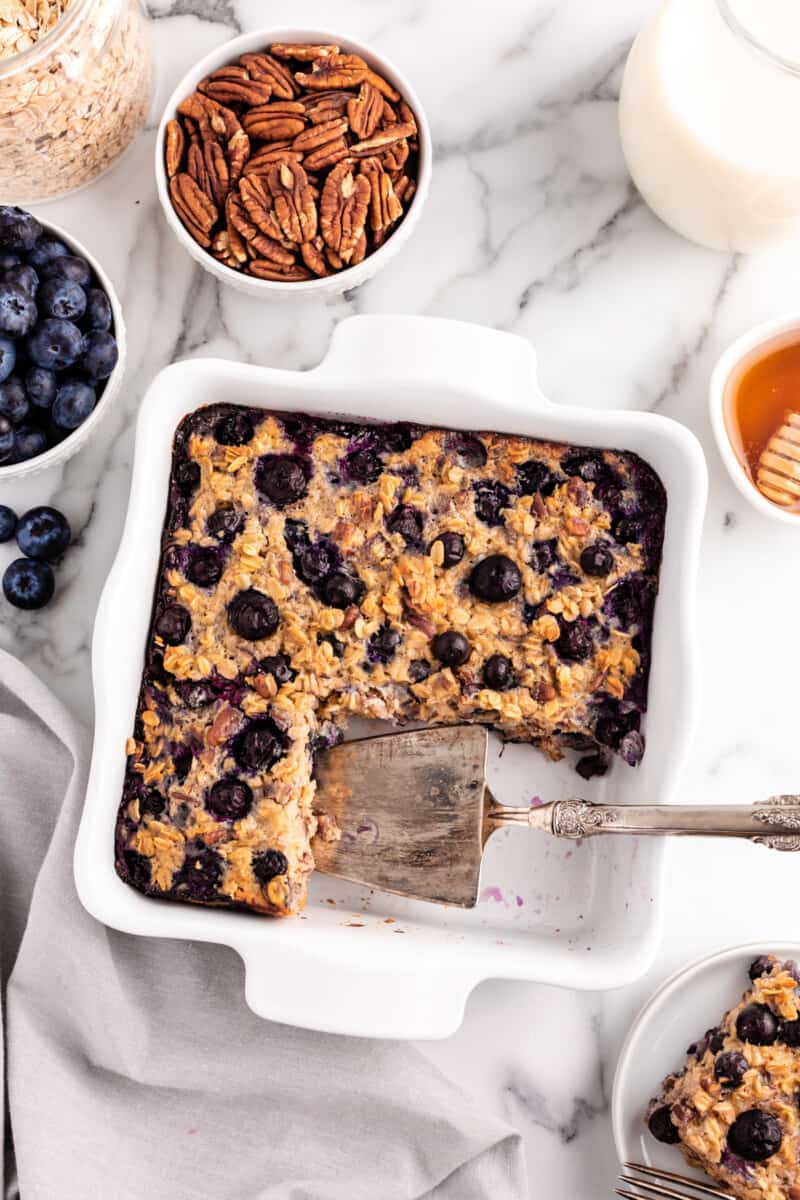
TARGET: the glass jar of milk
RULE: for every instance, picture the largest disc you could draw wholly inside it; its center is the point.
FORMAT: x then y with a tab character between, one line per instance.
710	120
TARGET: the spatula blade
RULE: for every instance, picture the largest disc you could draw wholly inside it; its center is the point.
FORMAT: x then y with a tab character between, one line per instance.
410	809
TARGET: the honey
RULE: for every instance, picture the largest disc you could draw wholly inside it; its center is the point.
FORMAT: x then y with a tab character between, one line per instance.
759	394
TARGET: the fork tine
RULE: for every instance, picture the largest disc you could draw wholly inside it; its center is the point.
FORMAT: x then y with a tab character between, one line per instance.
655	1189
626	1195
672	1177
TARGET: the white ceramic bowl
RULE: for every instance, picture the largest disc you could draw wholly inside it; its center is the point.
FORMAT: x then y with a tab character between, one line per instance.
583	916
331	284
59	454
779	330
684	1007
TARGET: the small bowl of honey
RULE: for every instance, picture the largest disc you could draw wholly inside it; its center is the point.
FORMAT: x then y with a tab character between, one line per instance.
755	414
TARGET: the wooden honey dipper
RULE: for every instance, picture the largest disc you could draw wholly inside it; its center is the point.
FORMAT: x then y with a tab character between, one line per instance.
778	475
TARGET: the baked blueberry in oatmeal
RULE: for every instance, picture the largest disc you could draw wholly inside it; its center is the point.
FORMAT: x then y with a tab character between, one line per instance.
313	570
734	1108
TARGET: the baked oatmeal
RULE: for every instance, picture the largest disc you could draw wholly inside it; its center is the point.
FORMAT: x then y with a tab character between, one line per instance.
313	570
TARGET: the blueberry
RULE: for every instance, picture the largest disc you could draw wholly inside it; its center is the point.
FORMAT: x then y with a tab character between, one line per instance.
716	1039
279	667
382	646
418	669
315	563
7	260
396	438
755	1135
498	673
730	1068
46	249
451	649
18	311
588	465
18	229
574	643
41	386
490	498
153	804
98	310
597	559
757	1024
75	401
173	624
43	532
23	276
535	476
628	530
661	1126
137	869
267	864
453	548
14	402
62	298
362	466
67	266
182	758
205	567
8	523
30	442
187	476
229	799
340	590
195	694
236	429
468	450
225	523
282	478
253	615
259	747
631	748
543	555
100	354
28	583
495	579
55	344
200	874
789	1033
630	602
593	765
761	966
406	521
8	441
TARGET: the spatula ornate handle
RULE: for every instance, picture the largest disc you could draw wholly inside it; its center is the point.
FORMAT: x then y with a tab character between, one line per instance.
774	822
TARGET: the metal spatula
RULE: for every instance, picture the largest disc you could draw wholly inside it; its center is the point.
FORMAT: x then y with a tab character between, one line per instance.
415	813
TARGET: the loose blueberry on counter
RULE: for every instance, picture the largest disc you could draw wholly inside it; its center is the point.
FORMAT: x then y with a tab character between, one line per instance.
495	579
418	670
730	1068
43	532
74	401
61	298
18	229
282	478
46	248
98	310
229	799
452	547
8	357
268	864
382	646
99	354
30	442
41	386
225	523
279	667
574	643
173	624
340	590
760	966
18	310
535	476
204	568
28	583
451	649
69	267
490	498
661	1126
8	523
259	747
755	1135
55	344
631	748
14	402
253	615
543	555
498	673
235	429
597	559
408	522
757	1024
593	765
8	440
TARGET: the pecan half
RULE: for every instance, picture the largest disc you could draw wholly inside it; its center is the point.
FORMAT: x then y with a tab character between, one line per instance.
259	244
319	135
301	51
384	206
269	270
383	140
269	70
275	122
313	255
209	114
233	85
197	212
292	201
335	71
238	153
275	152
217	170
325	156
343	210
365	111
196	165
382	85
325	106
174	147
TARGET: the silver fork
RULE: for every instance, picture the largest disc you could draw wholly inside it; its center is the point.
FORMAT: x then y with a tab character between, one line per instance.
656	1183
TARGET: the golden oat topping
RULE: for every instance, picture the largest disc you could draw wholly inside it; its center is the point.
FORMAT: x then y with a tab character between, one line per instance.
314	569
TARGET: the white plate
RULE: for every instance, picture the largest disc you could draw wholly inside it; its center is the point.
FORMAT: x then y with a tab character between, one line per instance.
684	1007
584	916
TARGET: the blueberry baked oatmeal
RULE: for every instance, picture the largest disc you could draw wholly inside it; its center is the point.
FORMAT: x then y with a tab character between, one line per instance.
314	570
733	1109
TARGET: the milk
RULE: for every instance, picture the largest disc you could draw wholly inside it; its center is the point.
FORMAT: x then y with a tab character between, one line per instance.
710	125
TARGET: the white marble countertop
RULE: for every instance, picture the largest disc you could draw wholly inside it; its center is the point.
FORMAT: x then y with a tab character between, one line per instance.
532	226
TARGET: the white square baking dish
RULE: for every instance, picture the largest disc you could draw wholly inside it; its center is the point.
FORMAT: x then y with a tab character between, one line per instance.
369	964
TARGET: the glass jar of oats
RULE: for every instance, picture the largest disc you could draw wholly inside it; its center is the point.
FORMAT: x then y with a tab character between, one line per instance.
75	80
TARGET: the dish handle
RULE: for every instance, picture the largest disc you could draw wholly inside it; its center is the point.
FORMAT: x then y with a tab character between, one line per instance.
434	351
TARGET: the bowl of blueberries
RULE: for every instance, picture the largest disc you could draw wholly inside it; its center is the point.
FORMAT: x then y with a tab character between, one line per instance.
62	343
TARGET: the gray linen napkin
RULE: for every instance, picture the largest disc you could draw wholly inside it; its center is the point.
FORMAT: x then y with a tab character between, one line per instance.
134	1070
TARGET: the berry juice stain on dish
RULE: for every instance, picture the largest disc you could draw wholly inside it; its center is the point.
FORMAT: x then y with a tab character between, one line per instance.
762	418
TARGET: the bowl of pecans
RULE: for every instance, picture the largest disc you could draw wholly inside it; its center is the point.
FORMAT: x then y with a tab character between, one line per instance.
293	162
